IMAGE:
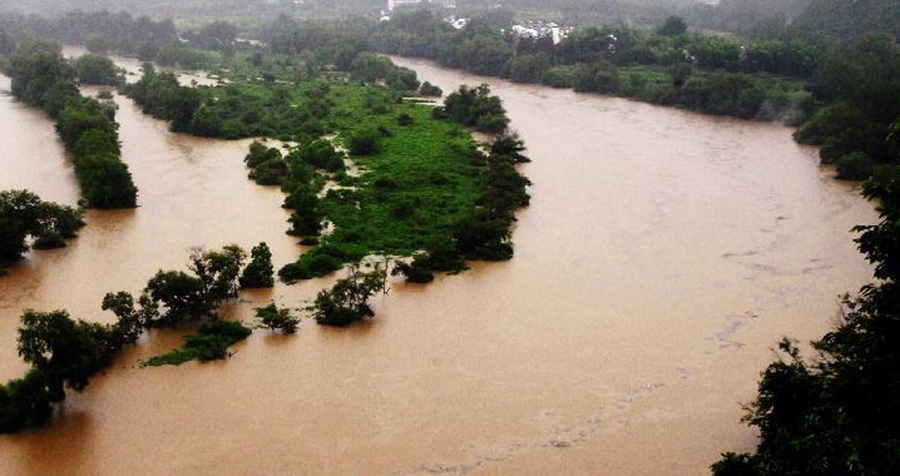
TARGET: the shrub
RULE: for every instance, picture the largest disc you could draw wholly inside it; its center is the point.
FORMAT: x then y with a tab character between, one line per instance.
211	342
347	301
279	319
855	166
365	142
428	89
259	272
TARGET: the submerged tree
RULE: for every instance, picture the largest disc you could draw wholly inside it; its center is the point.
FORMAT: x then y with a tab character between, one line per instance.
276	318
259	273
23	214
347	301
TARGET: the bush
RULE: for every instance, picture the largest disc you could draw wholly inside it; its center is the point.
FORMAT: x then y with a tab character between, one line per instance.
600	77
320	154
474	107
429	90
48	241
277	319
855	166
97	70
347	301
365	142
211	342
259	272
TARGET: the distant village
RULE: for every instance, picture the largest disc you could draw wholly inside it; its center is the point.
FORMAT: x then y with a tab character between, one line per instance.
525	29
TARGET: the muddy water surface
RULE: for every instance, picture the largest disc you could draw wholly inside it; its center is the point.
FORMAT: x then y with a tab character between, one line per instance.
663	256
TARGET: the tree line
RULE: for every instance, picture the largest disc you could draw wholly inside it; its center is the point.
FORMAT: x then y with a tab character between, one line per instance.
843	95
42	78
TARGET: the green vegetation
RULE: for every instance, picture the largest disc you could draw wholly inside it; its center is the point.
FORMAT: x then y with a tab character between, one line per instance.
277	319
838	414
96	69
211	342
24	215
42	78
860	82
429	90
347	301
420	182
63	353
475	108
259	273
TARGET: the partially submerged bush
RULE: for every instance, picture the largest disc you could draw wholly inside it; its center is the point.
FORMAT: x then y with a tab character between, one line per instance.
347	301
277	319
211	342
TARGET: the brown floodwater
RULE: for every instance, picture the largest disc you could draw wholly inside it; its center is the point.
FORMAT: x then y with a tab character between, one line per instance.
663	256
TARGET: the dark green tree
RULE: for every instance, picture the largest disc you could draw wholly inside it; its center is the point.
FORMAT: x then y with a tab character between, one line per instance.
347	301
259	273
24	215
96	69
279	319
65	351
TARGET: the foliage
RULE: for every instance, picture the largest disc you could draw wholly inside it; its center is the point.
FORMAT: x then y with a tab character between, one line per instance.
25	402
87	128
321	154
475	107
597	77
347	301
860	82
416	271
96	69
259	272
268	166
840	413
855	166
24	215
275	318
63	353
173	297
429	90
211	342
365	142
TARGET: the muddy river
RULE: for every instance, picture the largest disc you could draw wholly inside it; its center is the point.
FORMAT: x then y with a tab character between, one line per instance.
663	256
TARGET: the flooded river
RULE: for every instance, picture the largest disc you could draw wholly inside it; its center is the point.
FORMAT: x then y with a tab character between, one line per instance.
663	256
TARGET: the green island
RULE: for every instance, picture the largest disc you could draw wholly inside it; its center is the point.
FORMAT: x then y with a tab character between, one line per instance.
417	182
